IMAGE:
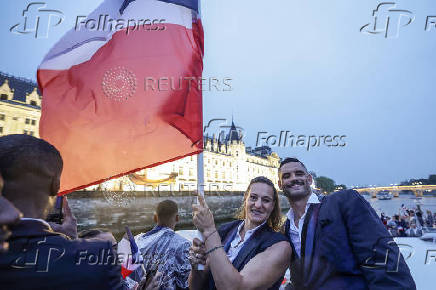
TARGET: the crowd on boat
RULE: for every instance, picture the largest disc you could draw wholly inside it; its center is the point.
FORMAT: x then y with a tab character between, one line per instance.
326	242
409	222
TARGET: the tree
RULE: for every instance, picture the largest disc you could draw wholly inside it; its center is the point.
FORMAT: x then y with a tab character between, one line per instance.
432	179
326	184
405	182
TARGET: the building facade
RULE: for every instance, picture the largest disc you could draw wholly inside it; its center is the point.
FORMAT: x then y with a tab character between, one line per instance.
228	167
20	106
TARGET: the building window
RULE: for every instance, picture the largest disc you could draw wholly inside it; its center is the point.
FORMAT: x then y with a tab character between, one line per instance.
2	117
27	121
1	130
180	171
33	122
191	173
3	97
33	103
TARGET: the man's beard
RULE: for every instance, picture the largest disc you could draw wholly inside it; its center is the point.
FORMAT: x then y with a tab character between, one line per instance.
287	191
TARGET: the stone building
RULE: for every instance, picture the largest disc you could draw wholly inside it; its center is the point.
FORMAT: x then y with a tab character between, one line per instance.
228	166
20	106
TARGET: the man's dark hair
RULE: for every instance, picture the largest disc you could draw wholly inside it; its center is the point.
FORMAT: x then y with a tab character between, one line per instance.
21	153
166	210
91	233
291	159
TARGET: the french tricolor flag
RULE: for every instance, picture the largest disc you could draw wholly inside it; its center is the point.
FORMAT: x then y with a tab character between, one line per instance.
128	249
119	91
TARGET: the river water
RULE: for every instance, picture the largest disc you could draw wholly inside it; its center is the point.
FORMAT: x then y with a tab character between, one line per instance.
391	207
115	211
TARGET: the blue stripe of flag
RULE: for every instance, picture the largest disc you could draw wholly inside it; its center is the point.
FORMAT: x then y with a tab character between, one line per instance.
191	4
133	246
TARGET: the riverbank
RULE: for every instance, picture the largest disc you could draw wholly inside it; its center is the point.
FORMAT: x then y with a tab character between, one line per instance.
116	210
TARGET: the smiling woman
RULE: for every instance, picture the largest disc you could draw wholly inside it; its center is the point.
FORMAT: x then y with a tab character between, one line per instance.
261	188
244	254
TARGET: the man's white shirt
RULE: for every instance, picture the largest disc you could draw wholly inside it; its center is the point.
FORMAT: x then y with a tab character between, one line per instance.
294	232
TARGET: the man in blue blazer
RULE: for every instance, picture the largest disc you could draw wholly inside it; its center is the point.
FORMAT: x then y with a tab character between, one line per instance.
338	241
38	257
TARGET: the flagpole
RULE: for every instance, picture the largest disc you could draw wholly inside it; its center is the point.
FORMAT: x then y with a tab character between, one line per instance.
200	190
200	162
200	174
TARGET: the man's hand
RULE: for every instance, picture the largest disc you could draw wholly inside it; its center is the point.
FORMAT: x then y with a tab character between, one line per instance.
153	284
197	253
202	217
69	226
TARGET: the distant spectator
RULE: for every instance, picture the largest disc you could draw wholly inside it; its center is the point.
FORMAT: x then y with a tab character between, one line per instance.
392	228
384	218
420	219
401	232
429	221
403	223
413	231
412	217
163	250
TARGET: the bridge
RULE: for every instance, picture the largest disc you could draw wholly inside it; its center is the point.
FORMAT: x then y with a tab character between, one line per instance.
418	190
